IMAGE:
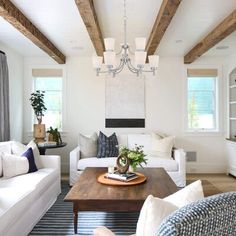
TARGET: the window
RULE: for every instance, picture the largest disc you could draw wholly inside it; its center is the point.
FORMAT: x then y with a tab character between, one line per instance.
50	81
202	100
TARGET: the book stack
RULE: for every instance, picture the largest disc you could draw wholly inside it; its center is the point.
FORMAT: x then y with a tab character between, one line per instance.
44	144
122	177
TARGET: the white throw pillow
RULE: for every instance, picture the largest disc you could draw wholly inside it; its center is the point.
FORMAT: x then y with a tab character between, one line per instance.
18	148
161	147
187	195
14	165
88	145
154	210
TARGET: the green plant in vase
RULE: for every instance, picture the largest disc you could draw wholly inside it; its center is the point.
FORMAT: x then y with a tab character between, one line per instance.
37	102
55	135
136	156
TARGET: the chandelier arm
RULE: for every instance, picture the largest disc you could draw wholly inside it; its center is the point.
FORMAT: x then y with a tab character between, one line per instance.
118	70
146	71
131	66
103	71
132	69
121	65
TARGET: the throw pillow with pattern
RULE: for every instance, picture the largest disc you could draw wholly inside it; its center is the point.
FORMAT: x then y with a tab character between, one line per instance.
107	146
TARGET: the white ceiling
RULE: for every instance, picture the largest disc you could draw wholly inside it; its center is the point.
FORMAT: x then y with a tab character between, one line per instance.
60	21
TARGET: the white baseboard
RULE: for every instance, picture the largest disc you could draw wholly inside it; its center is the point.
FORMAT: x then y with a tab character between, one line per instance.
206	168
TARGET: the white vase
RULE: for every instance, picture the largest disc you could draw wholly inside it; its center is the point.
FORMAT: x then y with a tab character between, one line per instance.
131	169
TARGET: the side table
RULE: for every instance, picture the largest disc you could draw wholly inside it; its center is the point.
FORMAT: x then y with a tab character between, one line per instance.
42	150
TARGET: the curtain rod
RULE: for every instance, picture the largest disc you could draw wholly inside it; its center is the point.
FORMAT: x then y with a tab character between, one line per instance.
2	52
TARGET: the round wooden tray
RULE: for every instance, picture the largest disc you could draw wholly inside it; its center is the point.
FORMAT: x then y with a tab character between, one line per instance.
103	180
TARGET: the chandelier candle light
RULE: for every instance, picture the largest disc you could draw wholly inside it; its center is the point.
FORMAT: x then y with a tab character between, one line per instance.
140	56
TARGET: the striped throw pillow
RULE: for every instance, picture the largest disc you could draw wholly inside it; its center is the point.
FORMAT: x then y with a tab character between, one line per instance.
107	146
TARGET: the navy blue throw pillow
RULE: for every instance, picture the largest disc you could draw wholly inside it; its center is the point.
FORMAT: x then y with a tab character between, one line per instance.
30	156
107	146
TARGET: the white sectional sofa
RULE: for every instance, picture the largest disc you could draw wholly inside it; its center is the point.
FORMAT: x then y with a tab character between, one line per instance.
24	199
175	167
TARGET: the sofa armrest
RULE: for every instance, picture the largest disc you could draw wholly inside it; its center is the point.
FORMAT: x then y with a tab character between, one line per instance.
74	158
180	157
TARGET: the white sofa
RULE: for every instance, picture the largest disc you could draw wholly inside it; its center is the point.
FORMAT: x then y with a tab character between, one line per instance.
24	199
175	167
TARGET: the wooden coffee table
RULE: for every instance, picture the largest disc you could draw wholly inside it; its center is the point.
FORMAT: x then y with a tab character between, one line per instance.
89	195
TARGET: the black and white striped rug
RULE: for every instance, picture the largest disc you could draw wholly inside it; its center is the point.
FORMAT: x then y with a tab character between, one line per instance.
59	220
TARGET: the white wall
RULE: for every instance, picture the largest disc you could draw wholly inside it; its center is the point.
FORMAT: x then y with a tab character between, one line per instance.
15	67
85	108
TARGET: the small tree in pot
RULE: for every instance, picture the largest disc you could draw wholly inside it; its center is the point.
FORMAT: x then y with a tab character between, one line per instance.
37	102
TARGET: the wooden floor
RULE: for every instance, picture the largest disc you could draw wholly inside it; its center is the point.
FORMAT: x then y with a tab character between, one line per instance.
223	182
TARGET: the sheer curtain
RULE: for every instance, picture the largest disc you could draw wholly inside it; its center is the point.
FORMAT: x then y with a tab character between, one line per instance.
4	99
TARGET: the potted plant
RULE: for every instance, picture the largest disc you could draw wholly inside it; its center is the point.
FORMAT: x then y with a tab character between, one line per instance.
54	135
135	156
37	102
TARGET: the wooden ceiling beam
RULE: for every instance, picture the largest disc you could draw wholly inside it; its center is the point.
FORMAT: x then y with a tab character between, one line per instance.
221	31
166	13
88	14
16	18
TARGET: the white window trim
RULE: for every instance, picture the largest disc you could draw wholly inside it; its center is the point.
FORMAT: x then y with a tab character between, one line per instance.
64	113
219	104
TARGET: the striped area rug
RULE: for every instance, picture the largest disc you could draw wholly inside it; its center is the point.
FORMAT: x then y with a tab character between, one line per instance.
59	220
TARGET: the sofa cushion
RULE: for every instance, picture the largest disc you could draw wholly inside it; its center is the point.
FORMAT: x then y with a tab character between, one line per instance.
13	202
14	165
161	147
96	162
88	145
168	164
30	157
18	193
107	146
140	140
